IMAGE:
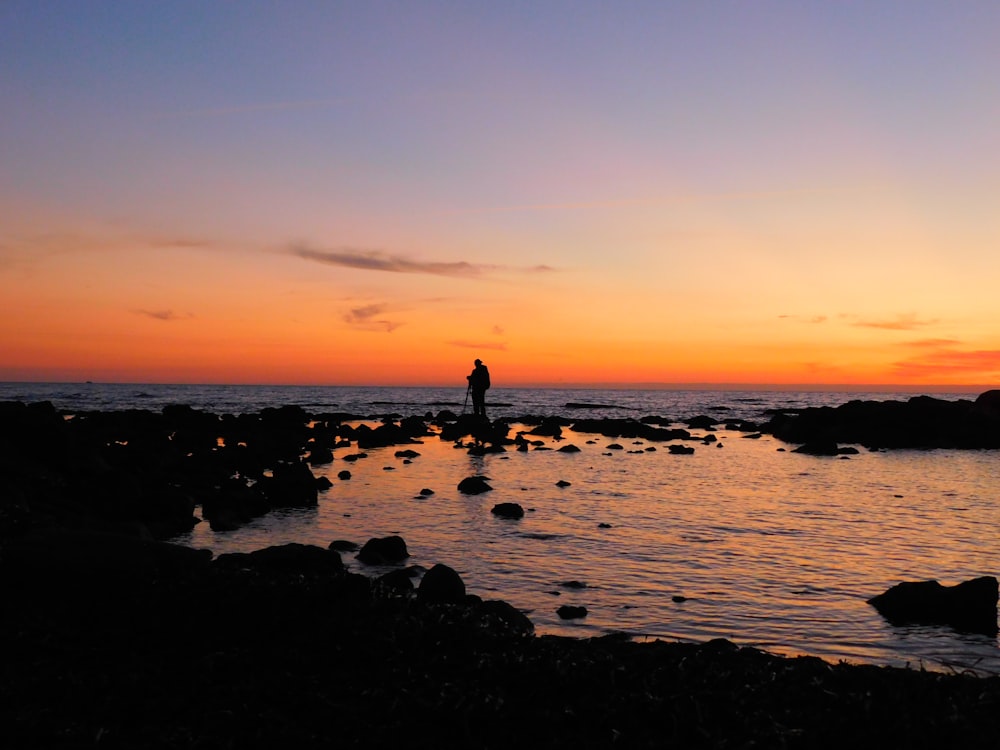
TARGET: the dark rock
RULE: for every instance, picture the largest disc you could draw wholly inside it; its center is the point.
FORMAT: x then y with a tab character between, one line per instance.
407	454
474	485
383	551
508	510
562	483
344	474
482	430
232	504
702	422
968	606
550	427
285	558
569	612
342	545
574	584
987	405
291	485
681	450
71	557
400	580
319	456
502	619
629	428
569	449
323	483
441	584
426	492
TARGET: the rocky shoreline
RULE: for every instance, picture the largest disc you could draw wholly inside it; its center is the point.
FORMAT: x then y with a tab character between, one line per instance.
158	646
112	637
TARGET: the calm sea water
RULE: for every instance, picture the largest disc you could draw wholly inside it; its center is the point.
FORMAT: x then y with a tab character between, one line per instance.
769	548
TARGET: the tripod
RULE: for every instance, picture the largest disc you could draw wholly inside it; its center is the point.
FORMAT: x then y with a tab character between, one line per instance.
467	392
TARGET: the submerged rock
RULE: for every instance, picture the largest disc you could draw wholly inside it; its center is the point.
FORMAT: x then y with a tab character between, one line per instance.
508	510
569	612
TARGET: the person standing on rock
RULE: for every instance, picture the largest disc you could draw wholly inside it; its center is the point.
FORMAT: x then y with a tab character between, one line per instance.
479	383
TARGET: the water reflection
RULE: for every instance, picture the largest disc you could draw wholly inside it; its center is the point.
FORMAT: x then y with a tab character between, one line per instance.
768	548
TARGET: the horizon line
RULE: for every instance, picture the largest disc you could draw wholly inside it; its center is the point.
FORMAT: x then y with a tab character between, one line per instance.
579	385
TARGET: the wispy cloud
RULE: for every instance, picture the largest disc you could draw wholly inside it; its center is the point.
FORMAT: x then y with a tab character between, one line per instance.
932	343
813	319
376	260
493	345
904	322
373	260
164	315
367	317
181	242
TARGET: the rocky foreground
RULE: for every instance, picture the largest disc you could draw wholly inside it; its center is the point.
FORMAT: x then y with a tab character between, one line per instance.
111	637
157	646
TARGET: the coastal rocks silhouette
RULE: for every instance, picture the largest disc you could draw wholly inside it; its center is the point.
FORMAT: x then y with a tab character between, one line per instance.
919	422
290	485
987	405
478	428
286	558
630	428
969	606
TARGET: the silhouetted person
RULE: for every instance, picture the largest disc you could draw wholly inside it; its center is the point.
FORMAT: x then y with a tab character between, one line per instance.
479	382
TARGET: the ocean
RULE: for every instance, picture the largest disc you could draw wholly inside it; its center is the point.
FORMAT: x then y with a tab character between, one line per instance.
742	539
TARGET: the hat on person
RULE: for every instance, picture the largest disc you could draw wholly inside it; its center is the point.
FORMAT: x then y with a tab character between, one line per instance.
479	362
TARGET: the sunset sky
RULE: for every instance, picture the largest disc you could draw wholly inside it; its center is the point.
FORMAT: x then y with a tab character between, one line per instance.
575	192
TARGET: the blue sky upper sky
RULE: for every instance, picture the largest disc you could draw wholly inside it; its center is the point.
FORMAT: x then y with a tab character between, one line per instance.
654	191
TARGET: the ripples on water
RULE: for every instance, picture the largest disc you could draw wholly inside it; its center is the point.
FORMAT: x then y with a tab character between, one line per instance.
767	547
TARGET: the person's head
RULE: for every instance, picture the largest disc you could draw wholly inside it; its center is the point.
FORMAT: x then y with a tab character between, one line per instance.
478	362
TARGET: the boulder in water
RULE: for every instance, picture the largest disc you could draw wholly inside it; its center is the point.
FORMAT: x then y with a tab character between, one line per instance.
508	510
970	606
474	485
383	551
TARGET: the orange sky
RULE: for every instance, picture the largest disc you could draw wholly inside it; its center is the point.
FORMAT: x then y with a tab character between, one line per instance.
706	196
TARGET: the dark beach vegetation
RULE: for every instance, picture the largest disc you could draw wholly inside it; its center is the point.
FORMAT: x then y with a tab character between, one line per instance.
113	637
